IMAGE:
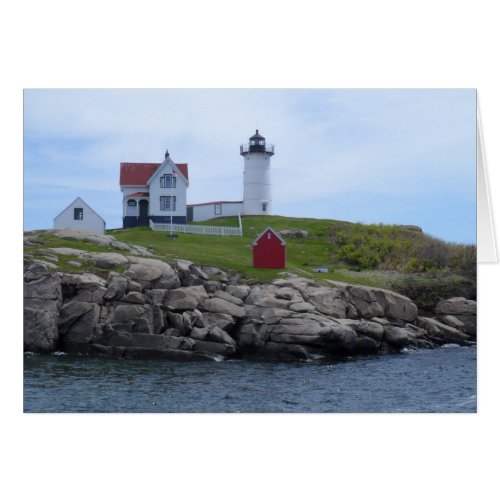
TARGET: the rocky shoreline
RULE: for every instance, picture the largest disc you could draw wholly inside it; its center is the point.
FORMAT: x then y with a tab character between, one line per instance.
153	310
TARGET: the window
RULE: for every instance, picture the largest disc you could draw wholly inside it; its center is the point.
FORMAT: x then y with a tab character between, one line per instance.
168	181
78	214
131	203
167	203
218	209
264	207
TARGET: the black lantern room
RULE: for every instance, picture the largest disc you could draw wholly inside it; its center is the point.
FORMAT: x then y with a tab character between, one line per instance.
257	144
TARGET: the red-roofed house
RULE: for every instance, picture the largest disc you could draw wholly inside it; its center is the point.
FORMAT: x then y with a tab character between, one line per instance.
154	191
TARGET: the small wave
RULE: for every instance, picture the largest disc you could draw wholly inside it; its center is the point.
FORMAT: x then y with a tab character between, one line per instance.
450	345
59	353
29	353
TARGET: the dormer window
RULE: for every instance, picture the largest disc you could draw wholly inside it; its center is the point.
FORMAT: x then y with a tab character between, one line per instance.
168	181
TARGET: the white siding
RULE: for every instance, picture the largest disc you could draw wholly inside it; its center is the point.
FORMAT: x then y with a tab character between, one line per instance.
90	222
155	191
256	184
207	211
127	190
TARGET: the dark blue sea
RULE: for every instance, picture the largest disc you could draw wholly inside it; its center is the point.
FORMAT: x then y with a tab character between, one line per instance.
433	381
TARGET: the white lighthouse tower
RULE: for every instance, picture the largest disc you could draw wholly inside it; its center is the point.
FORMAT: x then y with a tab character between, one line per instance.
257	175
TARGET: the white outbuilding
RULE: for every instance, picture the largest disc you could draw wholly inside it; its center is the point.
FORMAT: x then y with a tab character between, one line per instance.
79	215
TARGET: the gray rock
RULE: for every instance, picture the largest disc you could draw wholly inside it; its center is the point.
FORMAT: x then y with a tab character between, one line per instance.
41	331
301	307
238	291
95	296
73	284
217	305
134	298
77	321
185	298
269	315
215	274
199	333
442	332
74	263
457	306
177	321
285	352
198	273
216	334
226	296
365	302
453	321
214	348
152	273
368	328
397	336
329	301
117	286
106	260
396	306
36	271
213	286
47	287
340	339
223	321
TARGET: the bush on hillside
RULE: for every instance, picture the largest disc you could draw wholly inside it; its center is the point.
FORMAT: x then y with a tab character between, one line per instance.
397	248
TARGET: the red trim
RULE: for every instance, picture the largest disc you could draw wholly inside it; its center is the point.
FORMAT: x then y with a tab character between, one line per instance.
138	195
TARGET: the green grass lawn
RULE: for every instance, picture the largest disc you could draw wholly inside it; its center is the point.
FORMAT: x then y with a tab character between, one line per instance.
235	253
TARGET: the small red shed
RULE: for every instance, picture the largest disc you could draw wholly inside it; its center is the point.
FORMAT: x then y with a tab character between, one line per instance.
269	250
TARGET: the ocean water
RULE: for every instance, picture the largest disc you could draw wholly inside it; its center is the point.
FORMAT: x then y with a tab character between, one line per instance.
435	381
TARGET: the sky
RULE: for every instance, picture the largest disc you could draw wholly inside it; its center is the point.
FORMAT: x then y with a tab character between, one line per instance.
360	155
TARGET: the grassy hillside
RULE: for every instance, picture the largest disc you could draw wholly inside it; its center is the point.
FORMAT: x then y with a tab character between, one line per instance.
399	258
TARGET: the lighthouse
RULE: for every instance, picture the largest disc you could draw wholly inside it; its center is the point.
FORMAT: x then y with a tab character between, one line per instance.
257	175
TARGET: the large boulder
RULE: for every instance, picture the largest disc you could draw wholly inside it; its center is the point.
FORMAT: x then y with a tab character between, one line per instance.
365	302
443	334
152	273
47	287
216	305
106	260
461	310
74	284
78	321
185	298
117	286
36	271
41	330
396	306
329	301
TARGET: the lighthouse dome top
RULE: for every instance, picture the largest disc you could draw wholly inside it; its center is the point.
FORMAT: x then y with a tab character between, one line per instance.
257	136
257	144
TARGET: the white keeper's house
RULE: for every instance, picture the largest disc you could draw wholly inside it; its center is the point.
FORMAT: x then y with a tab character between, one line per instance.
79	215
157	191
154	191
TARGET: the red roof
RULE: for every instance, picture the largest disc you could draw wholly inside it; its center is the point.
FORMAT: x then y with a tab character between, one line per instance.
138	174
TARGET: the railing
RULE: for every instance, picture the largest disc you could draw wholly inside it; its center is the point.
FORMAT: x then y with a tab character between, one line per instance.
205	230
245	148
